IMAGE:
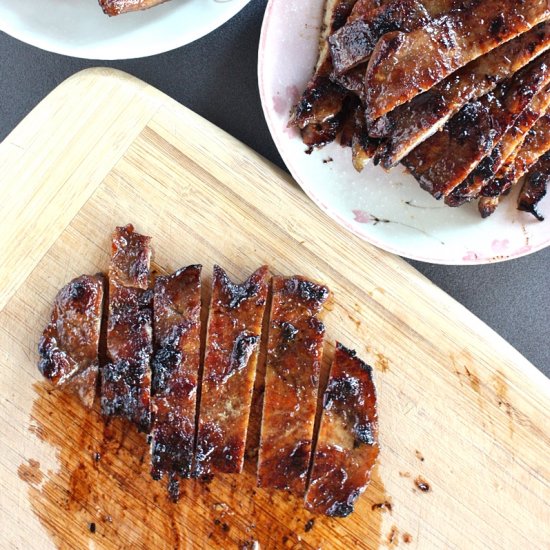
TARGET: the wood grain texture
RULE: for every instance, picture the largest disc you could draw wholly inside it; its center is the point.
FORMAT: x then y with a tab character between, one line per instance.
461	413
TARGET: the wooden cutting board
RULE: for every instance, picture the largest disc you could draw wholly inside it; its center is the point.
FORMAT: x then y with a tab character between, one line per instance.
462	415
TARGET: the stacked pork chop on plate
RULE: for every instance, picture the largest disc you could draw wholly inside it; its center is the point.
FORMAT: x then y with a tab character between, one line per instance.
456	90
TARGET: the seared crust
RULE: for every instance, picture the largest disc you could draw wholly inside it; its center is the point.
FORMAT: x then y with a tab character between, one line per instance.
399	68
234	331
126	379
535	187
294	354
443	161
69	345
116	7
408	125
347	445
175	370
487	169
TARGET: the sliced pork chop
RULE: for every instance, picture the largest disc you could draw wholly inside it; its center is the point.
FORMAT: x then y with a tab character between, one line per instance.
535	187
69	345
347	445
403	65
294	354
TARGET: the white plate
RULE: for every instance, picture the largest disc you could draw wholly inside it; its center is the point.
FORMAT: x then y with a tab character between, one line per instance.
80	29
387	209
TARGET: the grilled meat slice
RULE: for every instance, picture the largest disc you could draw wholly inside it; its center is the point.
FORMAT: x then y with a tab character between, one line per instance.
404	65
487	169
536	144
535	187
116	7
322	99
347	445
294	353
363	146
443	161
69	345
126	379
175	370
234	331
408	125
355	41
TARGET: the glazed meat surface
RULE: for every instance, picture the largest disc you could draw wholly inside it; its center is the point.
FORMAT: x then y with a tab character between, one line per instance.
487	169
354	42
126	379
399	68
175	371
408	125
347	445
443	161
535	187
233	339
116	7
294	353
69	345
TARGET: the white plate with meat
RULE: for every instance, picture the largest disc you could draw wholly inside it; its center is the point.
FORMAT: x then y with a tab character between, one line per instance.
79	28
386	208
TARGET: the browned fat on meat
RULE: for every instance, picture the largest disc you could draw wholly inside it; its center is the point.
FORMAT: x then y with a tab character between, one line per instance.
536	144
487	169
408	125
175	372
404	65
234	331
68	348
347	445
443	161
322	99
116	7
294	354
535	187
126	378
354	42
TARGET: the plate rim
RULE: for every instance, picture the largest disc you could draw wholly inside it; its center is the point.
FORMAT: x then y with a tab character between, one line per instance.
332	213
43	44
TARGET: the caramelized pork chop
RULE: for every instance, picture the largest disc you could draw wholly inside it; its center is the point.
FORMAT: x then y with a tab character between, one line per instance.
126	379
116	7
535	145
232	343
294	353
443	161
175	371
69	345
347	446
535	187
410	124
404	65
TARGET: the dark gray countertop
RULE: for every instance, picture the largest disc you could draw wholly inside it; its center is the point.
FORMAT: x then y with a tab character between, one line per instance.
216	77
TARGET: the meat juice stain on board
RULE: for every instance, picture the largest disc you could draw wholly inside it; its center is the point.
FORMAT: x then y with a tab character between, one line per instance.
103	481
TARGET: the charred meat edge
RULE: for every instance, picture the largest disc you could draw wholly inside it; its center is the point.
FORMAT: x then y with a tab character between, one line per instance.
234	331
487	169
117	7
294	354
535	187
126	378
175	371
443	161
347	445
410	124
399	68
69	345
